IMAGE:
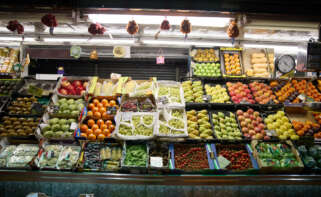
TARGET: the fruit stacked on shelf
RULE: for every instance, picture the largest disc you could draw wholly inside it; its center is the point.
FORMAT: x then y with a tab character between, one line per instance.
59	128
205	55
236	154
307	128
281	124
137	125
284	91
319	84
317	117
252	124
136	155
110	156
207	69
198	125
171	92
50	156
262	93
276	155
260	65
311	155
218	93
190	157
172	122
102	109
14	126
91	156
24	106
8	86
225	126
76	87
232	64
67	107
304	87
240	92
96	129
68	157
193	91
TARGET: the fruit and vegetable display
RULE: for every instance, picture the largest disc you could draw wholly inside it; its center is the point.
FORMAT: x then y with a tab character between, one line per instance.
190	157
3	102
5	154
14	126
193	91
206	55
92	129
278	155
218	93
306	128
172	123
58	128
317	117
136	88
25	106
207	69
69	108
159	150
261	65
240	92
284	91
225	126
281	124
8	86
232	64
252	125
49	156
91	158
22	155
136	125
310	155
198	125
8	57
37	87
140	104
136	155
110	156
105	88
170	94
102	109
69	87
307	88
68	157
262	93
236	155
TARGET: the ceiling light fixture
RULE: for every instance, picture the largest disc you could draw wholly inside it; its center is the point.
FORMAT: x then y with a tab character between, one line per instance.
156	20
186	43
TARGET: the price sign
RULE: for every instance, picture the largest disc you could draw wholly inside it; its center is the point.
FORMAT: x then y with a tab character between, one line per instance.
156	162
160	60
207	98
223	162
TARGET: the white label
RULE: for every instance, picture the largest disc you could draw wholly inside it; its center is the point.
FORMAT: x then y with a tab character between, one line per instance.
126	117
301	97
156	162
223	162
73	126
48	76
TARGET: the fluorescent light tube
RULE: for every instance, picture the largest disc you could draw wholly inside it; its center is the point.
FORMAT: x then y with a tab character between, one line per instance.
156	20
185	43
86	40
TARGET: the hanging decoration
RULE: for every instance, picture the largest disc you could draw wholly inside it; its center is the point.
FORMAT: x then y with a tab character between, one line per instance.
95	29
165	26
15	26
93	55
132	27
186	27
50	21
233	30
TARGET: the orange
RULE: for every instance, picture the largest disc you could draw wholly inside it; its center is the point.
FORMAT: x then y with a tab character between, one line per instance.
112	103
104	102
90	114
83	135
106	132
91	106
101	137
103	127
100	122
90	122
111	128
89	131
102	110
94	127
92	137
100	105
97	132
97	115
95	109
95	102
84	128
105	116
109	122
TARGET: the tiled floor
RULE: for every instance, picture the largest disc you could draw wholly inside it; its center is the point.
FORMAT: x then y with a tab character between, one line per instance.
21	189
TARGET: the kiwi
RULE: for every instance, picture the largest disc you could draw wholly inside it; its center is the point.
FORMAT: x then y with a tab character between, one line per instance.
4	134
7	122
20	131
16	123
9	126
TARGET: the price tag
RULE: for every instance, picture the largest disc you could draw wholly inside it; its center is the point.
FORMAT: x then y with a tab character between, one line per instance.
126	117
301	97
223	162
160	60
73	126
207	98
163	100
156	162
270	133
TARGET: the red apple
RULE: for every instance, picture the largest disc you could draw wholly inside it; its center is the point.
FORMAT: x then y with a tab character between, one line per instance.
243	124
85	84
258	136
63	91
257	130
252	132
250	111
77	83
239	112
65	84
64	79
246	115
261	125
252	117
241	118
245	130
263	132
259	119
256	114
